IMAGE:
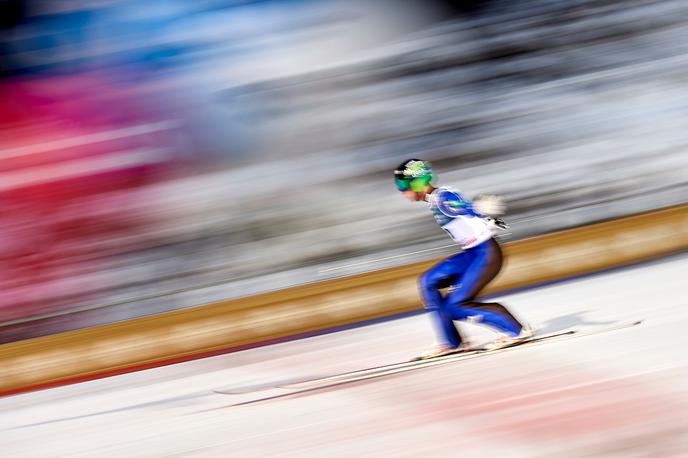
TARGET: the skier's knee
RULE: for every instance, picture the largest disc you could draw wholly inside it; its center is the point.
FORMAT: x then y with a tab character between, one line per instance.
428	280
427	284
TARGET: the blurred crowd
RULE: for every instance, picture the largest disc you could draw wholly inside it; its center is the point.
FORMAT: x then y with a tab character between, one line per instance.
165	155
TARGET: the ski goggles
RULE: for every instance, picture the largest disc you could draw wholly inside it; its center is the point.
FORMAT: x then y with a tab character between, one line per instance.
414	184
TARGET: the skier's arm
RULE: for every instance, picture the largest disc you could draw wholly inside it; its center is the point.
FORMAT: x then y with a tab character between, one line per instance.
487	207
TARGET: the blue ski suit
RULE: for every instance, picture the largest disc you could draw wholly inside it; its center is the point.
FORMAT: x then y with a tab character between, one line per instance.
465	273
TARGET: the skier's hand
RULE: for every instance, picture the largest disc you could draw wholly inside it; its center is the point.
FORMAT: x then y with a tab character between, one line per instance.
489	205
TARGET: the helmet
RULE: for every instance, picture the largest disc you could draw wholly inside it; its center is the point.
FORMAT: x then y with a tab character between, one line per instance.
413	174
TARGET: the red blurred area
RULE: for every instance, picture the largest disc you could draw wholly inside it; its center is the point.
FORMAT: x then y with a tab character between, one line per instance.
77	156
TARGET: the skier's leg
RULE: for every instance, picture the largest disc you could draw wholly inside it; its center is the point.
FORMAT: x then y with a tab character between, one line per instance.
486	263
495	262
494	307
430	282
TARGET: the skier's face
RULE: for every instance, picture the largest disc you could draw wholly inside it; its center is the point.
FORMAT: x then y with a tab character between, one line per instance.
413	196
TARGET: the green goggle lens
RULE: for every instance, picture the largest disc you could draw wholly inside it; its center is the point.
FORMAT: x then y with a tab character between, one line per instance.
419	184
416	184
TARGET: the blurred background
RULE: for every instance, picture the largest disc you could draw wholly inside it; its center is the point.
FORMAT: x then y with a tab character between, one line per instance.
167	154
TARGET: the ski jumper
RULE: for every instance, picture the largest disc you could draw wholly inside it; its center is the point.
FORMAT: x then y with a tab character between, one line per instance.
466	273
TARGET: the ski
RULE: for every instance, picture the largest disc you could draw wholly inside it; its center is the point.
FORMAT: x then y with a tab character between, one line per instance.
297	386
415	363
390	369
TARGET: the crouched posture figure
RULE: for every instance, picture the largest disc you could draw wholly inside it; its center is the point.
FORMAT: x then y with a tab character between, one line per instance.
464	274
